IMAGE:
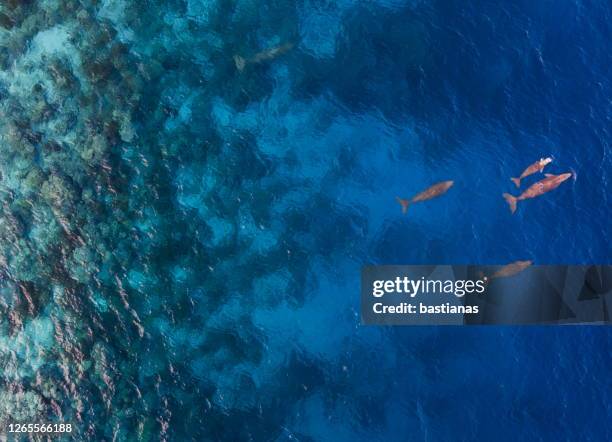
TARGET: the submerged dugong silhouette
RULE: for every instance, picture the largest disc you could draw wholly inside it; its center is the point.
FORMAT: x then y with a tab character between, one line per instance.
268	54
549	183
538	166
432	192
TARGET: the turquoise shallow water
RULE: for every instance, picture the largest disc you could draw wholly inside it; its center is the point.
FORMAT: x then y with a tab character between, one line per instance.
181	240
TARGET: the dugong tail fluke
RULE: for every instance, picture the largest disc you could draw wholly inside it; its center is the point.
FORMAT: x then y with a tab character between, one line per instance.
511	200
516	181
404	203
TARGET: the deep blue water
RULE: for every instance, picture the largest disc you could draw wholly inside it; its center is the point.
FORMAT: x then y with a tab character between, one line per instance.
182	240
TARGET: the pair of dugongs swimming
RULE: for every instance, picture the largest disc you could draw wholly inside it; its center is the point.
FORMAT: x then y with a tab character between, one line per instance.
541	187
550	182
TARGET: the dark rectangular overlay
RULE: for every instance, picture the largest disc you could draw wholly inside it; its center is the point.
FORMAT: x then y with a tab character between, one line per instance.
475	295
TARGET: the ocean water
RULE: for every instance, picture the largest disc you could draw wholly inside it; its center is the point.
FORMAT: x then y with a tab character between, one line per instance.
181	240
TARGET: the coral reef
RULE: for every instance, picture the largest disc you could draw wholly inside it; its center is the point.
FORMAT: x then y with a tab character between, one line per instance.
124	210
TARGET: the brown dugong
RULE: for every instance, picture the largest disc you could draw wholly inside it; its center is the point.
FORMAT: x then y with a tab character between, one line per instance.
549	183
538	166
429	193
